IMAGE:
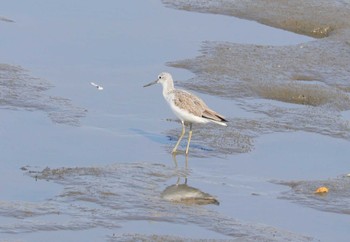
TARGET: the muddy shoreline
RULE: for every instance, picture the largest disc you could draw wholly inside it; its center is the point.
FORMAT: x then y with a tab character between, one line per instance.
313	18
302	87
312	79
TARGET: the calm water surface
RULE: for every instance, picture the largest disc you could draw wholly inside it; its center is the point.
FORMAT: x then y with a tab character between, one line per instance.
122	131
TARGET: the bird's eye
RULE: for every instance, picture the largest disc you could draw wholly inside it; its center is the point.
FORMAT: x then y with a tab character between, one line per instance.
159	77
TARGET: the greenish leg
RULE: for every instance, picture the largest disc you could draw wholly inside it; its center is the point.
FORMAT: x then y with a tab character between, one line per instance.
182	134
189	139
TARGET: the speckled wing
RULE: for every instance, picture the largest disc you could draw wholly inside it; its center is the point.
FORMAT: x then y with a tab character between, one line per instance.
189	102
195	105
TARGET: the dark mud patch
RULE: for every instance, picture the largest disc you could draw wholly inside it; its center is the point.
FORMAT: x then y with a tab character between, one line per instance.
215	140
337	200
161	238
20	91
105	197
314	18
294	74
268	117
296	88
153	238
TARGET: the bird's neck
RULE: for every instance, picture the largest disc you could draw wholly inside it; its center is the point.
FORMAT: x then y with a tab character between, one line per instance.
167	87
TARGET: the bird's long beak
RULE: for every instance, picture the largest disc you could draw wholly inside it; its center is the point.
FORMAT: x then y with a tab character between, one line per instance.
152	83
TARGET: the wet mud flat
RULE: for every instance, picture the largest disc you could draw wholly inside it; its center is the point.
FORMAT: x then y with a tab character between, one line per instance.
337	201
21	91
310	82
303	88
284	89
108	197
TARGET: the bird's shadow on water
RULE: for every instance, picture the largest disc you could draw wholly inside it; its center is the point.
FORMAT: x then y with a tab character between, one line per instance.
157	138
193	146
183	193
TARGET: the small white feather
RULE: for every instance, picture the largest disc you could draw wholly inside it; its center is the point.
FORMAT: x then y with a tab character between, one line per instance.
97	86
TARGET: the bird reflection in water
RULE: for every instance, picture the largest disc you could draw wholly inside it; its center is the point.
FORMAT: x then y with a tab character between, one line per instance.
185	194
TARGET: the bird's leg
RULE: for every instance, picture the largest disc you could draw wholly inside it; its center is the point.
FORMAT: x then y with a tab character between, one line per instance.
189	138
178	142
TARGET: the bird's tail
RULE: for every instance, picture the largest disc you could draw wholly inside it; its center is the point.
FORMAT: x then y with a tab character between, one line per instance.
214	117
223	123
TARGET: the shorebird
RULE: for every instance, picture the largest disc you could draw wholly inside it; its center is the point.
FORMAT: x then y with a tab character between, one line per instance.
187	107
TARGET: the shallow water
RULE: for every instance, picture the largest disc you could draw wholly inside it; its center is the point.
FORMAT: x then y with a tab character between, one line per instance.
82	164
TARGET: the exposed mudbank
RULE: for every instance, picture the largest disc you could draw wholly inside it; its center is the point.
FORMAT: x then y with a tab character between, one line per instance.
20	91
314	18
303	87
95	197
337	200
215	140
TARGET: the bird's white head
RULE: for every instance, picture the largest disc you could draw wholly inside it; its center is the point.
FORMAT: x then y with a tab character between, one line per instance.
165	79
